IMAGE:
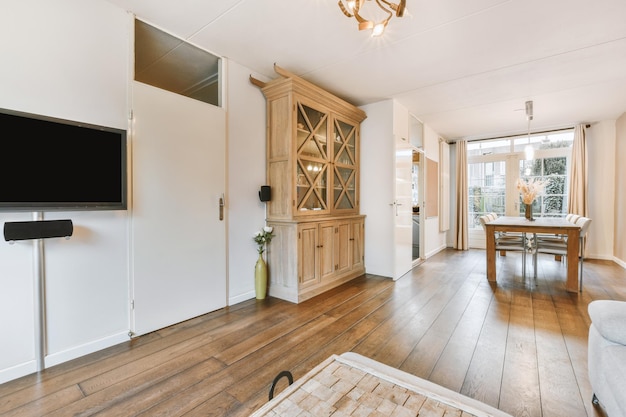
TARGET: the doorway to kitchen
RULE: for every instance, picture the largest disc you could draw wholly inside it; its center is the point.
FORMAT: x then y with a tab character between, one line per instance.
416	177
416	134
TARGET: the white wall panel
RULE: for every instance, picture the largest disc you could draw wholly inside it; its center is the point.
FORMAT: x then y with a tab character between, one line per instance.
66	59
86	285
17	350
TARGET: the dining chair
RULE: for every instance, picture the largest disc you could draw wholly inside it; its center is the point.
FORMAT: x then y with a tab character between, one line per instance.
572	217
558	246
555	238
508	242
514	236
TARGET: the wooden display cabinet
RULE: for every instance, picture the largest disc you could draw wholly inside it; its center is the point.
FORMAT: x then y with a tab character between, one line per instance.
313	170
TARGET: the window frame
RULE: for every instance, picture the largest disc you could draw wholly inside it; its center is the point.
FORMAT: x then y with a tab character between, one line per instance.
512	160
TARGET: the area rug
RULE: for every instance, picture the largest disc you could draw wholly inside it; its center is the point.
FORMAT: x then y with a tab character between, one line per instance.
354	385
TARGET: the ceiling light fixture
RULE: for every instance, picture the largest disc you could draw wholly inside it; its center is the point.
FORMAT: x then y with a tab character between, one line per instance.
352	8
529	151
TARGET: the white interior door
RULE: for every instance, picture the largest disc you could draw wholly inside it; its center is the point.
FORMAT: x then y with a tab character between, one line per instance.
178	263
403	208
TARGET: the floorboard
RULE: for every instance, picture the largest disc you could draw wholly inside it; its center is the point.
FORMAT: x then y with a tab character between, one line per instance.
519	344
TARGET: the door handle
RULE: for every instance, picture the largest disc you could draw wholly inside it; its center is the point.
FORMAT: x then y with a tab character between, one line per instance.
396	204
221	203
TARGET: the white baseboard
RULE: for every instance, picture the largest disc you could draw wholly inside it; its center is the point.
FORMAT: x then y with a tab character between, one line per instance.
241	298
599	256
436	251
18	371
30	367
87	348
619	262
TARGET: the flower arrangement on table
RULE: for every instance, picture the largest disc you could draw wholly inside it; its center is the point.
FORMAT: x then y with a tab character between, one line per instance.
530	190
263	237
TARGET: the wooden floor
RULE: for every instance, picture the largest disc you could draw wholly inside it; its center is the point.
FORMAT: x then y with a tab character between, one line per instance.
520	345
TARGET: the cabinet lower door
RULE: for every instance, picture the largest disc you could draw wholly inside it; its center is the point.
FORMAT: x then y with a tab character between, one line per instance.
357	244
308	272
343	246
326	249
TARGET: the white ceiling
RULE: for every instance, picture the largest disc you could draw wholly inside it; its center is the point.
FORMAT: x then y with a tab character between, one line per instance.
465	68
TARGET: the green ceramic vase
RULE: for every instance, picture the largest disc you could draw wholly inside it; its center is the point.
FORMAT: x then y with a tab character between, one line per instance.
260	278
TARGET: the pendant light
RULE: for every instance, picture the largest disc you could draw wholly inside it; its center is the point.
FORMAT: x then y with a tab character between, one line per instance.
529	150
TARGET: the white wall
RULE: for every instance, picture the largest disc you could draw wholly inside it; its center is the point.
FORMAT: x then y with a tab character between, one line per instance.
65	59
377	158
434	240
246	173
619	244
601	185
17	356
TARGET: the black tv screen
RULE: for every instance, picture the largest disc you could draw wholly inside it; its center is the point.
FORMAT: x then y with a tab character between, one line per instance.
53	164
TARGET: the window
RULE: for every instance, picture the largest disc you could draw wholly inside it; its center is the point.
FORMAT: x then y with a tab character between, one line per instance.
487	189
495	165
551	164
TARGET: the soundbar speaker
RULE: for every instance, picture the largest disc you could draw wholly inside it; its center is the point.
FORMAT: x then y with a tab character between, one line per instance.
41	229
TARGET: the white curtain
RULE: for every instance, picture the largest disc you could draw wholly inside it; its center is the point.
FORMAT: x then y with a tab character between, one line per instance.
577	201
462	230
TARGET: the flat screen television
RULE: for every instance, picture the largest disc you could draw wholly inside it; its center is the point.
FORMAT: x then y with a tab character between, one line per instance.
53	164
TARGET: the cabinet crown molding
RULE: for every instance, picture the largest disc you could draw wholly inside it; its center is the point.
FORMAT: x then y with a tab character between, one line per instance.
289	82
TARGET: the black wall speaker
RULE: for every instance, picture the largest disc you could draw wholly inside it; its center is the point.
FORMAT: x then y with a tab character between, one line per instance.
41	229
265	194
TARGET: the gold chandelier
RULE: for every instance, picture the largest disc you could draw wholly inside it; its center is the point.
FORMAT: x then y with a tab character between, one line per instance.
352	8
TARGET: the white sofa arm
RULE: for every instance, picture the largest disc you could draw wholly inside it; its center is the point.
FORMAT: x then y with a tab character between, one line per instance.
609	318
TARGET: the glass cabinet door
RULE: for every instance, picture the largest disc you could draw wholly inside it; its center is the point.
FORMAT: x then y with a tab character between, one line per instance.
344	166
312	159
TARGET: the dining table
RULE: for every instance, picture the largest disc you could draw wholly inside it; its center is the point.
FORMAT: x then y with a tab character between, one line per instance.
545	225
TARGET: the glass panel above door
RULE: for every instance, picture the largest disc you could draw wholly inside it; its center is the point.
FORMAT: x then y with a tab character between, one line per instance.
172	64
